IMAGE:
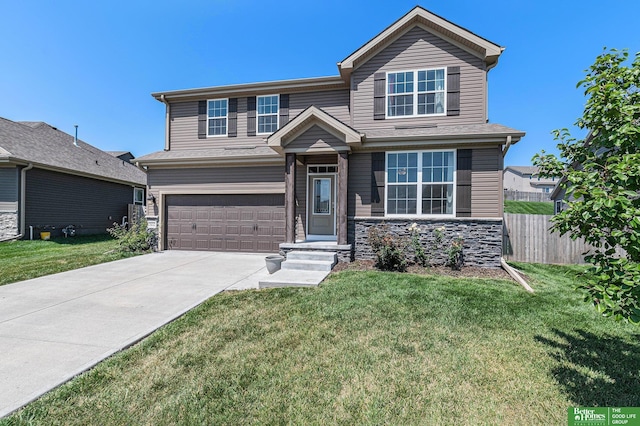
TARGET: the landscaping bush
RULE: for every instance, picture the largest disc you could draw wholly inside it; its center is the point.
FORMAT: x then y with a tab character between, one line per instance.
137	239
389	249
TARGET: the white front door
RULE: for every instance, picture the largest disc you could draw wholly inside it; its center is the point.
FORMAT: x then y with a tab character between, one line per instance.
321	205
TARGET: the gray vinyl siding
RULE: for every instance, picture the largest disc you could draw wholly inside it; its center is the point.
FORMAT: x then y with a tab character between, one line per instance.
212	180
58	199
486	183
184	119
414	50
9	178
333	102
259	179
315	138
359	193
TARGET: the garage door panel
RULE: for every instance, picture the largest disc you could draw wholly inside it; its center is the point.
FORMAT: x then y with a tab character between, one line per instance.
225	222
202	215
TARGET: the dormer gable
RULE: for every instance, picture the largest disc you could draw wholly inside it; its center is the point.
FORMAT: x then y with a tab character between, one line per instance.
480	47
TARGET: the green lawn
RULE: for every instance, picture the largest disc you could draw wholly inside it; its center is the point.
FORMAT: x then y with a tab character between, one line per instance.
528	207
22	260
366	348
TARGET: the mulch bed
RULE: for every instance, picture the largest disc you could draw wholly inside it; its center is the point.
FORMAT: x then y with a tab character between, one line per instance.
466	271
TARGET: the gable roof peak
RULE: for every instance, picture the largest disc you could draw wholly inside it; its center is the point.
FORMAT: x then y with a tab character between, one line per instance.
419	16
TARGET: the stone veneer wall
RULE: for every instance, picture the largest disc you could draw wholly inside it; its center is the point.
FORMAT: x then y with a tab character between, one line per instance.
482	237
8	224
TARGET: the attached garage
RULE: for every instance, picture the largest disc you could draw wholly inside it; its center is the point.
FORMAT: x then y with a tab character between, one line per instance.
225	222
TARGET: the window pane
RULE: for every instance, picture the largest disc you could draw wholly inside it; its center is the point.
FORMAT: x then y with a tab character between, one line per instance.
437	199
439	103
217	126
217	108
321	196
400	105
401	199
431	92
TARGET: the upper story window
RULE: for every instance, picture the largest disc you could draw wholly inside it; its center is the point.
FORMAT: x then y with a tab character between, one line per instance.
420	183
217	110
267	113
412	93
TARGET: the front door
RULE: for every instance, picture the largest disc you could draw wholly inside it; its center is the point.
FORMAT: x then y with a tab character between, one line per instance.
321	206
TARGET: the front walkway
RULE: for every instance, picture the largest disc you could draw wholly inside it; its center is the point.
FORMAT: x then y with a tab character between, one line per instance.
55	327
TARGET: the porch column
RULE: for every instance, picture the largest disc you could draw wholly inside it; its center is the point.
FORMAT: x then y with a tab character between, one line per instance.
341	210
290	197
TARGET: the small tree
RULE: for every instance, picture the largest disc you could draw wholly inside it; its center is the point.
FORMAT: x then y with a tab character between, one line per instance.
601	175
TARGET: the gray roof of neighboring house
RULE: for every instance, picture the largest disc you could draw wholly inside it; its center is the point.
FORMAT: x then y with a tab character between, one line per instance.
118	153
523	170
45	146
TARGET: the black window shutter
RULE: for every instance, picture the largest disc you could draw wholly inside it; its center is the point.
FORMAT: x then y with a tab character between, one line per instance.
463	183
453	90
202	119
379	92
377	183
232	118
251	116
284	110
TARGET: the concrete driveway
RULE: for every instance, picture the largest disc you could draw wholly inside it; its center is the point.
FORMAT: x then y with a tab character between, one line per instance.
53	328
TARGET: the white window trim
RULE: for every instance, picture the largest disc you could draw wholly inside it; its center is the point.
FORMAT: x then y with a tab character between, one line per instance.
415	94
419	184
226	117
135	191
277	114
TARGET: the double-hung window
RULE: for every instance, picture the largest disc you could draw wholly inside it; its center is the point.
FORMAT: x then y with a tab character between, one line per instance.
217	117
420	183
267	113
414	93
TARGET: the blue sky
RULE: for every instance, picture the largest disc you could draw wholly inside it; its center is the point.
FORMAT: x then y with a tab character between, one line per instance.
95	63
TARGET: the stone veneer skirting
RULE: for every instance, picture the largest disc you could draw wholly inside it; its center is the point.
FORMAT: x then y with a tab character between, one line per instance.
8	224
482	237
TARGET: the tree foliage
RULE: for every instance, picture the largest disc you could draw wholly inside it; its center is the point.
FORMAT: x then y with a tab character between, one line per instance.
601	174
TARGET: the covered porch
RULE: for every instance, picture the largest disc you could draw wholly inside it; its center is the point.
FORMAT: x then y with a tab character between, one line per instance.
316	148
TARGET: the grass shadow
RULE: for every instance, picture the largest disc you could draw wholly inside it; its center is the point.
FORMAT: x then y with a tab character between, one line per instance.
596	370
82	239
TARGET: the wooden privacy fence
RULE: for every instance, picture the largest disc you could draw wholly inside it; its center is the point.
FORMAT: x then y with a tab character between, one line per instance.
526	238
526	196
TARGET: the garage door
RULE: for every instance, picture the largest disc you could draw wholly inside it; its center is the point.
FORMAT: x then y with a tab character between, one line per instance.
248	223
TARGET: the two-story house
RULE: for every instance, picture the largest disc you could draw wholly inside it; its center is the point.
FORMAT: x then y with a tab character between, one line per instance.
401	135
527	179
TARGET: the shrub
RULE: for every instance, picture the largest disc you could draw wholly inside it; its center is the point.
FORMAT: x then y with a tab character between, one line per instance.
136	239
423	255
389	249
455	254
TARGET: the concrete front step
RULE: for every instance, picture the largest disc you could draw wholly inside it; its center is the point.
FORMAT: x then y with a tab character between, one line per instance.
313	255
293	278
307	265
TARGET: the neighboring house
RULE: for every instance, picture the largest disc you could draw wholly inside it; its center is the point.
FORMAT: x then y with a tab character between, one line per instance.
48	180
401	135
557	196
527	179
123	155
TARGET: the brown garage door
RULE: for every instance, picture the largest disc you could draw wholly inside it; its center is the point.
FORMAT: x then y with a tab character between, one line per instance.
249	223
